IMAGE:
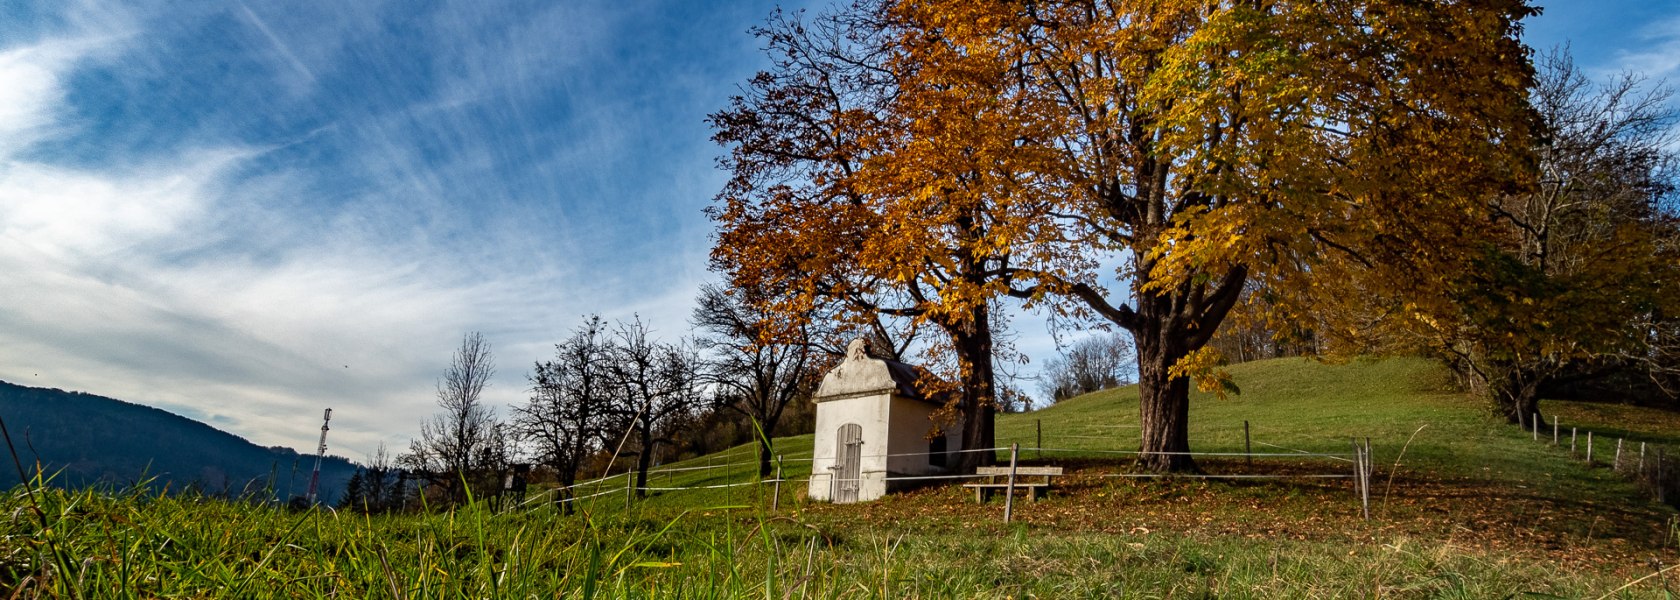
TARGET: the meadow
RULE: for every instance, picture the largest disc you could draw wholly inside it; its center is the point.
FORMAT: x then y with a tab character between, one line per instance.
1463	506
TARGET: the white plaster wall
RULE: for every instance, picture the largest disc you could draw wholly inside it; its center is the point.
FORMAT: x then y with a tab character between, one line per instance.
908	428
870	413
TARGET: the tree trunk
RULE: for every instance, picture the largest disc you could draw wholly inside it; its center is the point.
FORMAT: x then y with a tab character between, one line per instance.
644	461
973	343
764	454
1167	327
1519	399
1513	388
1163	402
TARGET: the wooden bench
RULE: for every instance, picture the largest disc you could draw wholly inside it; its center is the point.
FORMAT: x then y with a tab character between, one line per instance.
997	478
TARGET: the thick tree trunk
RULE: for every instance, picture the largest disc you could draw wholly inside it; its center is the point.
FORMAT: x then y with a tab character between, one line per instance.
1166	328
1519	399
1163	404
1513	388
973	343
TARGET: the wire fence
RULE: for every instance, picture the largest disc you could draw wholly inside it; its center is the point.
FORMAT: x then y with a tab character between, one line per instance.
736	474
1647	465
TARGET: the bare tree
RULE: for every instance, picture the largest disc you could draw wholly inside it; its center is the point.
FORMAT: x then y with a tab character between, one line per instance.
453	444
655	383
752	374
375	488
570	398
1094	363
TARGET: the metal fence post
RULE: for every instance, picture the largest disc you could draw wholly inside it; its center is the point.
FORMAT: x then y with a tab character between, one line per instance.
1009	489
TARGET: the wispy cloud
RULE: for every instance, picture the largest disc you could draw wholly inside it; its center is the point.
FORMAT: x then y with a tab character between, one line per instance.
1657	55
281	48
247	214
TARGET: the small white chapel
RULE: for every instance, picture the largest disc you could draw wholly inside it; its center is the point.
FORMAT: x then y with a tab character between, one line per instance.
874	425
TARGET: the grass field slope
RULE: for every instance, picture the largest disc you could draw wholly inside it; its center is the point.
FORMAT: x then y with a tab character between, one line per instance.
1463	506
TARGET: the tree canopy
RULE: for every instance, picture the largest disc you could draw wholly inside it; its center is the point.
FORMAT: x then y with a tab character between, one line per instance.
954	152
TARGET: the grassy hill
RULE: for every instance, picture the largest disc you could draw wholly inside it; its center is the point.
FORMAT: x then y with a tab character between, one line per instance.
1456	492
1476	509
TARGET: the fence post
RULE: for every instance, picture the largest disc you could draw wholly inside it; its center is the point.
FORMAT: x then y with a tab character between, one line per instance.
1589	448
1248	449
776	500
1536	422
1642	459
1572	434
1009	489
1358	467
1365	493
629	488
1616	465
1554	430
1660	487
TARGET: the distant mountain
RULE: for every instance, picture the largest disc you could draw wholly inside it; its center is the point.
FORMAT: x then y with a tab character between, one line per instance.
92	440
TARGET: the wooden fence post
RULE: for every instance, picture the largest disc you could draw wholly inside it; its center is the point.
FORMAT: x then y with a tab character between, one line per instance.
1536	426
1641	459
1589	447
1616	465
776	500
1358	471
1661	489
1572	433
1554	430
1248	448
1365	488
1009	489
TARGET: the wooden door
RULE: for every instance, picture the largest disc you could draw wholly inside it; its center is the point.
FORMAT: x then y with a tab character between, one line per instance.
848	454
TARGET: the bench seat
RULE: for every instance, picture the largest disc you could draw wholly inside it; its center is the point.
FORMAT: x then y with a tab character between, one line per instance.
997	478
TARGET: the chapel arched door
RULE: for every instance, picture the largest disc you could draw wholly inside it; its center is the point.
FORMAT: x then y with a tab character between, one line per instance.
848	454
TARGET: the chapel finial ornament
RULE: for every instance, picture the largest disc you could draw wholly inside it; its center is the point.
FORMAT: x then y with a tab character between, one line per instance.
858	349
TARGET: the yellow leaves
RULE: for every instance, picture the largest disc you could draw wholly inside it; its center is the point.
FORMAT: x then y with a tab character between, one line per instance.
1205	366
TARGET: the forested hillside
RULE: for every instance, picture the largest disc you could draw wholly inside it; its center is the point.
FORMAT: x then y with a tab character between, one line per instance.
81	439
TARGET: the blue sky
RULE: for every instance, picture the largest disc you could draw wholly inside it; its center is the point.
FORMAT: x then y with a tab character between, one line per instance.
245	212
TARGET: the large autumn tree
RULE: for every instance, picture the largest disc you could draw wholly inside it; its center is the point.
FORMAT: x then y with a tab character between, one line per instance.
841	199
1207	144
1576	278
1012	147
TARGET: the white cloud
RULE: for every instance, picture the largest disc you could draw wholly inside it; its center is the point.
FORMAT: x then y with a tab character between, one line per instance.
208	276
1658	56
98	298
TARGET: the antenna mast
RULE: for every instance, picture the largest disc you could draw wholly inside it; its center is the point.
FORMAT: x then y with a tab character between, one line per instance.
320	452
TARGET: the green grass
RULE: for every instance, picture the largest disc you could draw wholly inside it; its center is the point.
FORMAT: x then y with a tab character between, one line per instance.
1477	510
